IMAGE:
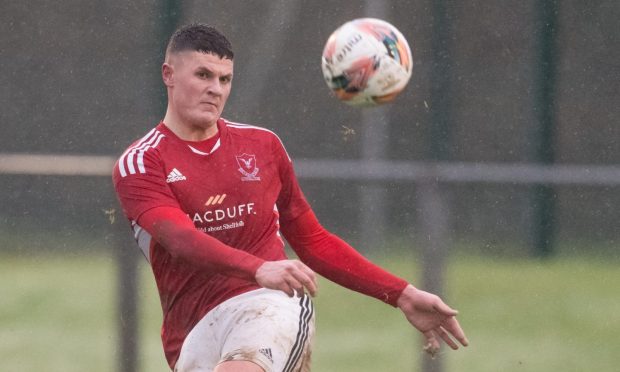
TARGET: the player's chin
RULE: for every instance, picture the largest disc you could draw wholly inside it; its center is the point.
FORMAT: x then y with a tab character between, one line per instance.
206	119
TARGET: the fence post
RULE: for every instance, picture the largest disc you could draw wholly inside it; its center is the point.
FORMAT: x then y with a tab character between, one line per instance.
126	255
433	218
373	195
544	196
375	142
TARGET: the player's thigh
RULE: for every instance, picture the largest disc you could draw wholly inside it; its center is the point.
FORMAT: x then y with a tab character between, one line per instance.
273	331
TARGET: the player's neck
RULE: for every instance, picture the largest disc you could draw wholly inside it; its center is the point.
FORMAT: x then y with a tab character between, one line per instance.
187	131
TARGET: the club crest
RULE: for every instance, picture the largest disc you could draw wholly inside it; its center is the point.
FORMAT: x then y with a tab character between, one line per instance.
247	167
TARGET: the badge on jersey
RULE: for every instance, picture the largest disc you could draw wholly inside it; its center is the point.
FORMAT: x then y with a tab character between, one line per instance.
247	167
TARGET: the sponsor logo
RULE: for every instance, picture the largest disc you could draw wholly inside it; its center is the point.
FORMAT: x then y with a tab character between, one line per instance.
175	176
226	226
221	214
247	167
220	217
215	200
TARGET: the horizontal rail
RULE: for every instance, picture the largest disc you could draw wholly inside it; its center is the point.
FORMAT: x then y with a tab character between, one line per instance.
61	165
358	170
517	173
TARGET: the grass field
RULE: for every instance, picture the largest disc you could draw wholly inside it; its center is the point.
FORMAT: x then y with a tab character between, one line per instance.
57	313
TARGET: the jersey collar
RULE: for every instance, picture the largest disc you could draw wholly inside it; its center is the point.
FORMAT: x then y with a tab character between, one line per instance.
221	127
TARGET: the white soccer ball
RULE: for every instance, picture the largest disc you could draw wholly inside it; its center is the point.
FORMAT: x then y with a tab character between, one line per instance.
366	62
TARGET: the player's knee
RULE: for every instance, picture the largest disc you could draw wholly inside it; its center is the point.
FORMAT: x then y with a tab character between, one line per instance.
238	366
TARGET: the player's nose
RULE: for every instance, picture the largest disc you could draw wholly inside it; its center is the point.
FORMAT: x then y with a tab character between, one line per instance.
215	87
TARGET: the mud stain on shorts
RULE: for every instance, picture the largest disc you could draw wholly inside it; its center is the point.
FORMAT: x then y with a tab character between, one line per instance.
246	355
240	354
306	359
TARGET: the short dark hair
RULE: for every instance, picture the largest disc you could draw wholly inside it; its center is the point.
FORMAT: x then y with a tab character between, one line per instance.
201	38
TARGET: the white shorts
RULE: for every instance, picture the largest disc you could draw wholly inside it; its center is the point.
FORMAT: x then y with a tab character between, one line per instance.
263	326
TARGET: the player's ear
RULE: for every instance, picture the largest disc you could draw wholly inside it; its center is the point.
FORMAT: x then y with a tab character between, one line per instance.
167	72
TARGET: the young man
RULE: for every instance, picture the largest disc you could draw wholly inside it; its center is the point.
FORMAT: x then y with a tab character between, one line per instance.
207	199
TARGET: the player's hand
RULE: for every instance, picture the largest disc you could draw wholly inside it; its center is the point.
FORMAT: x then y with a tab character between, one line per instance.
289	276
431	316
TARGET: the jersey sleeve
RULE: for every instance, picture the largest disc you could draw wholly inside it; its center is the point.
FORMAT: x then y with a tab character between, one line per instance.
143	187
291	202
177	234
337	261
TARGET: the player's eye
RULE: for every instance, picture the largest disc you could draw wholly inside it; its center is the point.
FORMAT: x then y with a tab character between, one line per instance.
203	74
226	79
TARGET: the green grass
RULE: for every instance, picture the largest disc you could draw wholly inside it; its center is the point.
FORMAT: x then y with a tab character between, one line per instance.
562	315
57	313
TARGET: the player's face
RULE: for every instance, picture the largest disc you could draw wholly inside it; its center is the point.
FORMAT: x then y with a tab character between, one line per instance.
199	85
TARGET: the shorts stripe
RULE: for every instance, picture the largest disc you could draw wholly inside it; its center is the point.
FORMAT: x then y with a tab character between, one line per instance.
302	335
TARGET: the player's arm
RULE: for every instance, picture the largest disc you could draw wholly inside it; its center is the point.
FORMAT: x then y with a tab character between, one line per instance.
333	258
176	233
171	227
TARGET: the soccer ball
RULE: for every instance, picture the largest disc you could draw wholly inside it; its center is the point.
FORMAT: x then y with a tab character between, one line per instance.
366	62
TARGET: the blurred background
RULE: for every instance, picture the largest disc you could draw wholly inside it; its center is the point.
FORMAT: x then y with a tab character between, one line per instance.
494	83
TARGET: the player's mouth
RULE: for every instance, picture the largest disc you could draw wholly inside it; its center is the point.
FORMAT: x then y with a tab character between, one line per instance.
209	105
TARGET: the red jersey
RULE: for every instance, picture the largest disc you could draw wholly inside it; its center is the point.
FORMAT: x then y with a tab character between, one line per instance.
238	192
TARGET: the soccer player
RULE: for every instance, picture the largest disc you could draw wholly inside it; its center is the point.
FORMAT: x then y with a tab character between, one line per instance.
209	201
